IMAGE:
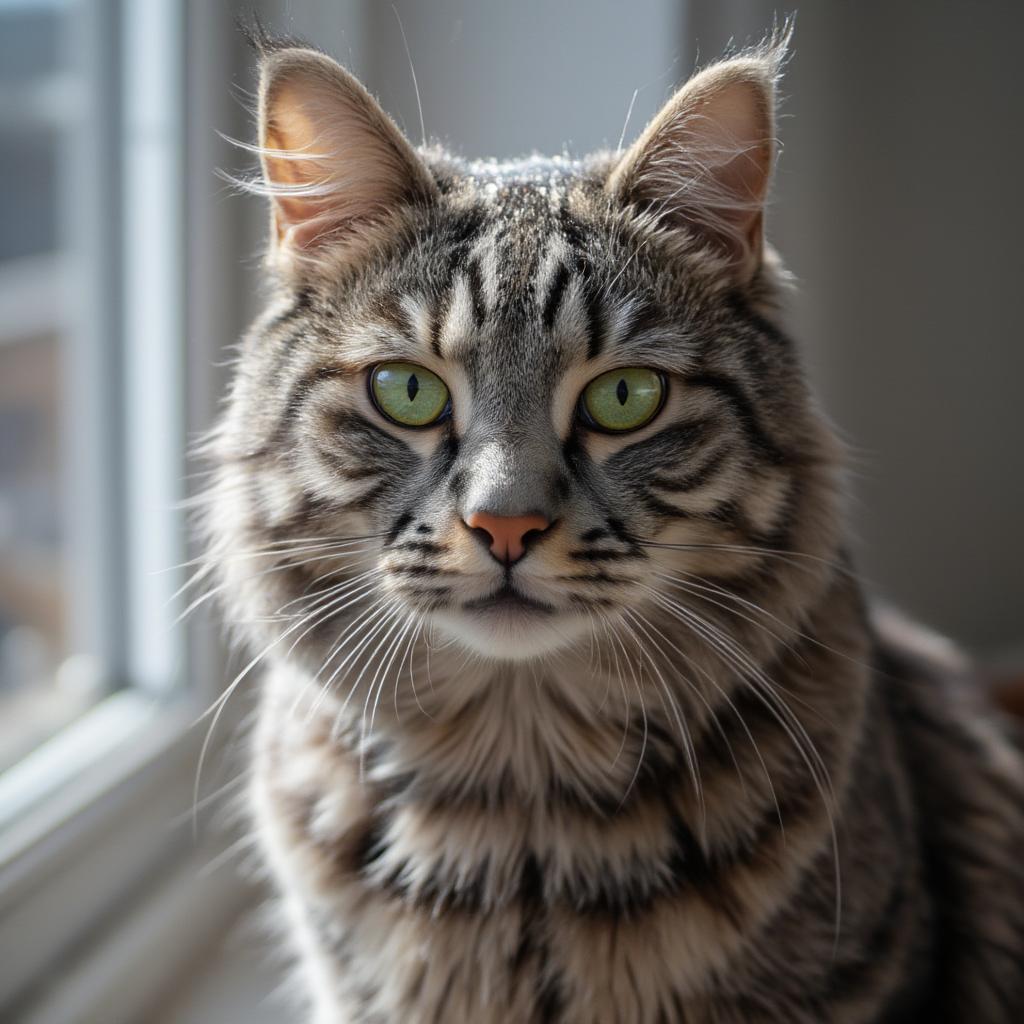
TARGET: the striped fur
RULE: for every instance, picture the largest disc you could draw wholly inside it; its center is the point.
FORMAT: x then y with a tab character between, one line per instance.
696	780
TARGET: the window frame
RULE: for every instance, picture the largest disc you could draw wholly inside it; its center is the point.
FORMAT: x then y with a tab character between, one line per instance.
97	816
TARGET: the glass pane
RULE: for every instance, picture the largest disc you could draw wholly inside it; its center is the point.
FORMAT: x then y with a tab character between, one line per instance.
44	682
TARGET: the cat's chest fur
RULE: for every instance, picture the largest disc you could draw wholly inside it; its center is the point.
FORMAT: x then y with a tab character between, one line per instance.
456	872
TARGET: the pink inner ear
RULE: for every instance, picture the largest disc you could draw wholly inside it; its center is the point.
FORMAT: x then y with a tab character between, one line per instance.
292	213
297	110
725	149
333	161
705	162
740	117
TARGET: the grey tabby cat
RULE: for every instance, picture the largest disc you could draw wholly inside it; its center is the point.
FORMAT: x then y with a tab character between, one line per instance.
573	710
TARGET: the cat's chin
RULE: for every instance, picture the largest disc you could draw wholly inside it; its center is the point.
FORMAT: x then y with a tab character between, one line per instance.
511	635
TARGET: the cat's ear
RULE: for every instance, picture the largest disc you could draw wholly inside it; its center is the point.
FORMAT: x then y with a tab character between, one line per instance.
334	164
704	163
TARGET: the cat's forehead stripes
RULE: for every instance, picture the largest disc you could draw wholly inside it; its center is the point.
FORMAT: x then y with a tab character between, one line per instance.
461	317
484	263
525	275
421	321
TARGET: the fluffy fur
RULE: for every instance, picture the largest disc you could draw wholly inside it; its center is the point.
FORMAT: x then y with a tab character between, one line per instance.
666	768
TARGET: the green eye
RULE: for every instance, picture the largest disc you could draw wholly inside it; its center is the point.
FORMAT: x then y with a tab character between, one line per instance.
622	400
410	395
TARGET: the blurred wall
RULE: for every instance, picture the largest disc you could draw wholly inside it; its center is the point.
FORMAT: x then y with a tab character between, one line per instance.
505	79
895	205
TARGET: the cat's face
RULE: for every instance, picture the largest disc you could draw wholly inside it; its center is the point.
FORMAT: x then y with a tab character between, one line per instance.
512	403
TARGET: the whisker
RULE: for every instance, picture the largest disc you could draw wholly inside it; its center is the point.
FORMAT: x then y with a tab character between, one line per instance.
766	692
617	641
727	649
789	557
314	595
292	545
387	625
722	591
217	707
697	590
214	864
637	679
718	726
351	631
218	793
407	626
413	640
370	620
203	598
689	750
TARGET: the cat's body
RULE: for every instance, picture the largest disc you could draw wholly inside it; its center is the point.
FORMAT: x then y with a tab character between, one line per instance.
648	759
505	893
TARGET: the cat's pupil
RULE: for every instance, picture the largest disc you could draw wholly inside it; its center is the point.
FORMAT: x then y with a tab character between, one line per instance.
622	392
412	387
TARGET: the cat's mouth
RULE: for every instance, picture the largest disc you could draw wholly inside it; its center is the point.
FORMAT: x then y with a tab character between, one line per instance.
510	625
507	598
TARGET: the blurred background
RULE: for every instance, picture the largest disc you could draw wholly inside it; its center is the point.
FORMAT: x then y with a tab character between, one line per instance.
127	269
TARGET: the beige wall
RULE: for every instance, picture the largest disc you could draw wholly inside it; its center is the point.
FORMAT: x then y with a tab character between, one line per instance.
898	206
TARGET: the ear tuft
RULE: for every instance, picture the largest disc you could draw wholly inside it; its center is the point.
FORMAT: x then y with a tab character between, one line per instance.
335	166
262	40
705	162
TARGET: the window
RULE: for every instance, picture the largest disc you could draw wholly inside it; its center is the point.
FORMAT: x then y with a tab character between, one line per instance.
51	666
91	459
112	229
122	297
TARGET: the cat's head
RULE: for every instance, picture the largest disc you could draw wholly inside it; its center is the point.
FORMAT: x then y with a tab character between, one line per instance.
514	402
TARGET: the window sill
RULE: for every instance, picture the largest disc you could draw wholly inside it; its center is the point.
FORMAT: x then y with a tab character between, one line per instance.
238	979
94	818
144	958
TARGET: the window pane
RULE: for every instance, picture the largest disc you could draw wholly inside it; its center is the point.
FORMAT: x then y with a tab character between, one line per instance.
44	680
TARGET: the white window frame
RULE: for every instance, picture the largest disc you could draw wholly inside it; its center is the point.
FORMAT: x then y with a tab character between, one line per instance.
95	821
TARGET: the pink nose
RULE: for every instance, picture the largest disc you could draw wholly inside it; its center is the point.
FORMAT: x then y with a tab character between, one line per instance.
507	533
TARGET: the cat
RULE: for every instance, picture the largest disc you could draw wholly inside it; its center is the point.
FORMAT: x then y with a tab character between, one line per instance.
572	707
